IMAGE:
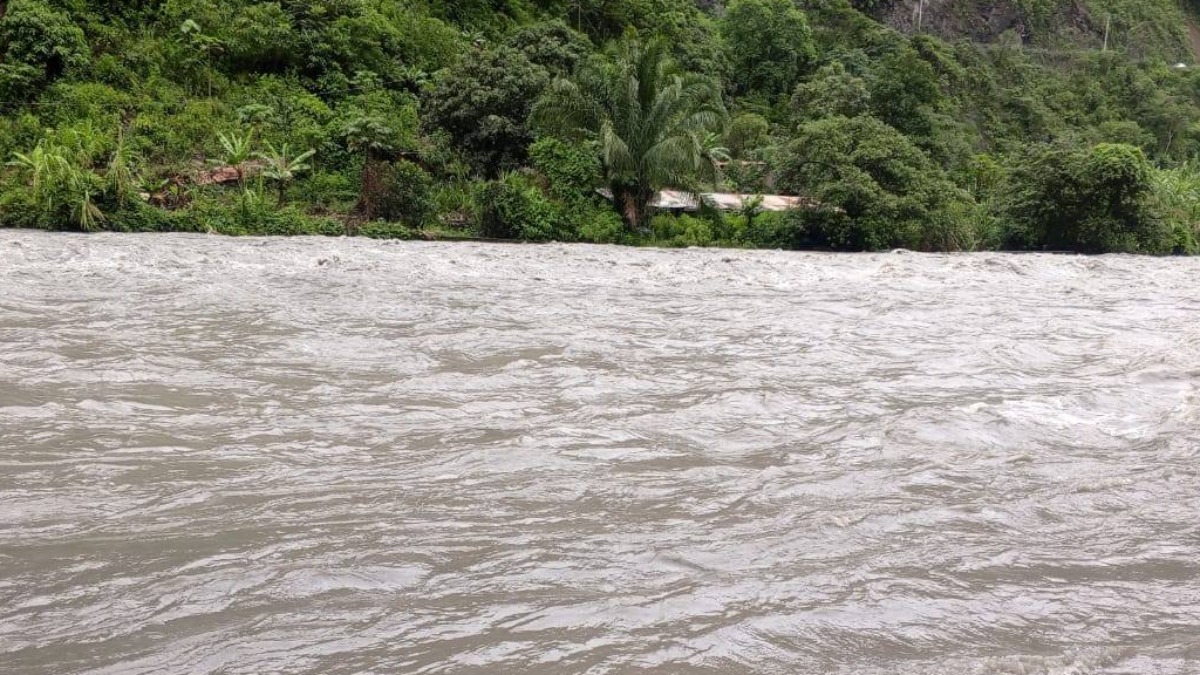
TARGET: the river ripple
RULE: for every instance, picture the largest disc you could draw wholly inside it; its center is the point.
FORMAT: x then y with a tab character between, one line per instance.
344	456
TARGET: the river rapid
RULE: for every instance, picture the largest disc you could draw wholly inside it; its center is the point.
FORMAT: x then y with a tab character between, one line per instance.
335	456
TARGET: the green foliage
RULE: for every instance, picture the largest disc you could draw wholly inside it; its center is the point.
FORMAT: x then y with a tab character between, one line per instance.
237	149
1094	201
57	187
406	194
601	226
262	38
483	105
283	166
905	91
748	133
552	45
681	231
1177	198
769	43
879	189
327	191
832	91
514	208
571	169
252	213
38	44
387	118
646	117
371	136
765	230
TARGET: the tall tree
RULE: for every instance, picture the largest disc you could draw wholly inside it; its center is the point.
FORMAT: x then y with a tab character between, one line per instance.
377	142
769	44
484	106
650	121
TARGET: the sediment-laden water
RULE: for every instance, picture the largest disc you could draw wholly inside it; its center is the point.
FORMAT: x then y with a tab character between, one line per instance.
327	456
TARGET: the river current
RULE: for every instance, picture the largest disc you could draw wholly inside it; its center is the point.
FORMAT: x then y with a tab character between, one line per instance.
334	456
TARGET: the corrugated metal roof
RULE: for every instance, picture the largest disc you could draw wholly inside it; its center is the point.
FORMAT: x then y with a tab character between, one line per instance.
679	200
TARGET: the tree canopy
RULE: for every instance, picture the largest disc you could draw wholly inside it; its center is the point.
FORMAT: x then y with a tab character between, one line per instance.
977	129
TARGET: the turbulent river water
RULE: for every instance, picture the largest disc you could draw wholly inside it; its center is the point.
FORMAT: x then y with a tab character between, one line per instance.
337	456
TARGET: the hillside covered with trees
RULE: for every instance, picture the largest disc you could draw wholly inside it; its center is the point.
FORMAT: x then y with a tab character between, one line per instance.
932	125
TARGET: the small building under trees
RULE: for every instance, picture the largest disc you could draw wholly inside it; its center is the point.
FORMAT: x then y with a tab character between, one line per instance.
681	201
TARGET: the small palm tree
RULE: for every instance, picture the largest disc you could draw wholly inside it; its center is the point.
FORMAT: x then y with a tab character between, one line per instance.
711	156
237	149
282	167
648	117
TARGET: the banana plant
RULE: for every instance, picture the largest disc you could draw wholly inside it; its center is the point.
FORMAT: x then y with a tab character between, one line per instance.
282	168
237	149
60	189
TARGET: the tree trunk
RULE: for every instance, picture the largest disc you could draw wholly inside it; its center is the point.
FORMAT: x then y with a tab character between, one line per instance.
633	203
370	188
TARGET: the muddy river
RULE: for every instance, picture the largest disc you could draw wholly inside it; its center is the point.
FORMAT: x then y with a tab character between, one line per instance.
331	456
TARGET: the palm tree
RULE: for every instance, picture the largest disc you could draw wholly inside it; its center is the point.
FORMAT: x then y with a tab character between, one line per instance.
712	157
282	167
649	118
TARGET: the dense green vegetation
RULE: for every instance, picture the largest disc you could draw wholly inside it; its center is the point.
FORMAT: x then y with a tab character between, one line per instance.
501	118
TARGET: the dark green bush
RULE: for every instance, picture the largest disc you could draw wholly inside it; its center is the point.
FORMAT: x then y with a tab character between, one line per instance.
484	105
407	194
38	44
877	189
681	231
571	169
1094	201
512	207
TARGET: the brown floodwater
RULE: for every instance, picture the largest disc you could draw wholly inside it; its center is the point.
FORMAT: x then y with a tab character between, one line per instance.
335	456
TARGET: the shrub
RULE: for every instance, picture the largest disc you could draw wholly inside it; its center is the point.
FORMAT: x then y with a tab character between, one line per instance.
406	196
380	229
1093	201
70	102
1177	196
251	213
601	226
880	190
681	231
56	189
572	170
513	208
455	204
324	190
771	229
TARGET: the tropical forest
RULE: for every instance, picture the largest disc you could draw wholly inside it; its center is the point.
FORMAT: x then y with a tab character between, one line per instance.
931	125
